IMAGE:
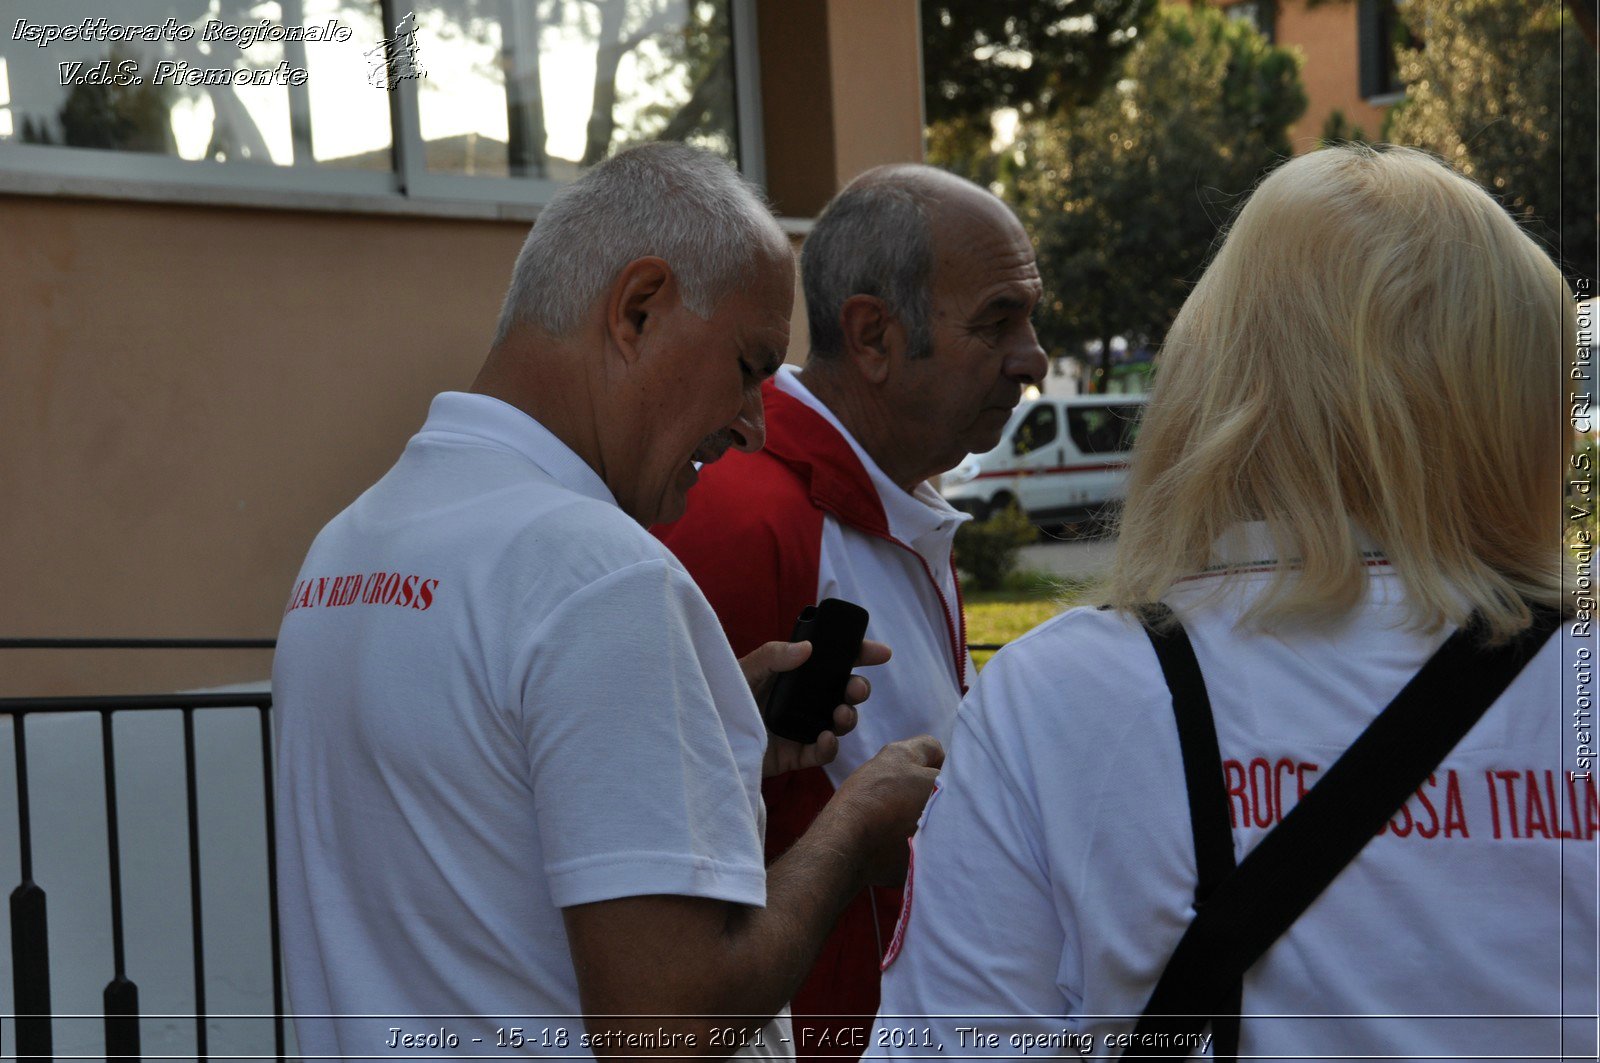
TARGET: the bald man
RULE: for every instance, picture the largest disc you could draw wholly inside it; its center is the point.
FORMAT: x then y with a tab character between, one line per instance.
919	288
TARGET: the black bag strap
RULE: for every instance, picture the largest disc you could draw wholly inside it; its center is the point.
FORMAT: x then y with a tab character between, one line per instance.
1209	817
1281	877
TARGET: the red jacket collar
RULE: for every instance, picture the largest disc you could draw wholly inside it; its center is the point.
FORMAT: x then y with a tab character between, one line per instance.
835	479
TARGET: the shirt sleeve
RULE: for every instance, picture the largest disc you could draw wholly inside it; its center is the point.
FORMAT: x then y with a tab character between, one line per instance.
982	955
644	745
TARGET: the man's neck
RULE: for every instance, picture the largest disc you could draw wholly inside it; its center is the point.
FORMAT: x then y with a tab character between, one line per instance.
545	386
868	419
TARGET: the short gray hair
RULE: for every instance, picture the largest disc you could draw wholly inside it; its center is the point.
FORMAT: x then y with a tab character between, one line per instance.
681	204
874	239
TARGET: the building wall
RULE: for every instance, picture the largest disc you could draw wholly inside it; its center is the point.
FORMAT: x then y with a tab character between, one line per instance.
192	391
1326	35
842	80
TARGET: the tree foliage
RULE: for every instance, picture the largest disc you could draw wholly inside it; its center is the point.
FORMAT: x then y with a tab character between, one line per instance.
1125	196
1338	129
1039	57
1504	91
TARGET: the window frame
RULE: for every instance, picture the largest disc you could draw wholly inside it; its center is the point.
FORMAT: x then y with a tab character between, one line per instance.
406	188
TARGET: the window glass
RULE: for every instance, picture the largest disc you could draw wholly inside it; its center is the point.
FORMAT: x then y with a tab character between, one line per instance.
544	88
270	82
1381	30
1037	429
1104	429
1256	12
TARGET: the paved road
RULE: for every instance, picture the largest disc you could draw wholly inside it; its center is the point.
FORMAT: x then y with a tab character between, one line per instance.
1079	558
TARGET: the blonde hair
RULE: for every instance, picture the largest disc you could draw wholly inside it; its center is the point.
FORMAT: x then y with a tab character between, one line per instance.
1375	346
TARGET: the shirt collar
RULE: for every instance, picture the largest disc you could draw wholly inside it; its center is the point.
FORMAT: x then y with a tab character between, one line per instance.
1250	545
912	517
488	421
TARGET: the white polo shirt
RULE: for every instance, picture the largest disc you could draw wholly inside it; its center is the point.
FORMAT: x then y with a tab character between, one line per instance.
497	696
1054	868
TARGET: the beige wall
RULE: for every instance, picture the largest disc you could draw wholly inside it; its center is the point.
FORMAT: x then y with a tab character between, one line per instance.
875	56
841	84
190	392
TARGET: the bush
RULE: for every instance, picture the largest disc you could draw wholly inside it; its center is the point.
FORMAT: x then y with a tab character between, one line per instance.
987	550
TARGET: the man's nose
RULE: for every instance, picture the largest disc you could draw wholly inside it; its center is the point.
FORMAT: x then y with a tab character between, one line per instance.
749	430
1027	364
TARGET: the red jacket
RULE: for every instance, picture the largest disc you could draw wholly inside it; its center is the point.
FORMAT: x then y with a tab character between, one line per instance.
752	537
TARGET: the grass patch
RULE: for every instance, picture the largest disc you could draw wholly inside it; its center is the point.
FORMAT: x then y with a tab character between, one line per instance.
1027	600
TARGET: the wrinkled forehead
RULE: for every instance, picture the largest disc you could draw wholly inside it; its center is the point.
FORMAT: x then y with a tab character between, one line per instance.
979	245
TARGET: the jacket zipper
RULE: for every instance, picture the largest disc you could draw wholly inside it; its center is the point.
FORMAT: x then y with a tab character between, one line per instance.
958	650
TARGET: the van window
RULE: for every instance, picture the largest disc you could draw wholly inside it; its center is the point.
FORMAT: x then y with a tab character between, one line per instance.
1037	429
1103	429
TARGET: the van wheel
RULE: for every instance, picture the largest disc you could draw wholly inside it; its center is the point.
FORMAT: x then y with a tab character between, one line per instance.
999	504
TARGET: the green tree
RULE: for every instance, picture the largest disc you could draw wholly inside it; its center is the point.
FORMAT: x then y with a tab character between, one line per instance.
699	53
1039	57
1504	90
1340	130
1125	196
124	117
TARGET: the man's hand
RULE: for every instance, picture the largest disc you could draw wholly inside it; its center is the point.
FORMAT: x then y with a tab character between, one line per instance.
641	958
763	664
884	798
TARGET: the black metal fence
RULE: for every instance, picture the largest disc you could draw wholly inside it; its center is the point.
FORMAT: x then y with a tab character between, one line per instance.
30	953
30	938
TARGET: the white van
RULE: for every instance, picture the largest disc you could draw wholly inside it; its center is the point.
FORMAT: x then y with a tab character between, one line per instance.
1061	459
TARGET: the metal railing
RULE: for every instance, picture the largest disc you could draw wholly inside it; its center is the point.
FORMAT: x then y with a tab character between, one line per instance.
30	955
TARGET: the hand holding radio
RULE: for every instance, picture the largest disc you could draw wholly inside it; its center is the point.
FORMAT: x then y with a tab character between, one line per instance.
800	704
805	686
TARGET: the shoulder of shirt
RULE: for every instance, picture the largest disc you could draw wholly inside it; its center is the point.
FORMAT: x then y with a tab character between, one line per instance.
739	479
556	544
583	529
1088	671
1082	626
740	496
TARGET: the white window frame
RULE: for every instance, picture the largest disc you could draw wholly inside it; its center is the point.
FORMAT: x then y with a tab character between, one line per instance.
407	188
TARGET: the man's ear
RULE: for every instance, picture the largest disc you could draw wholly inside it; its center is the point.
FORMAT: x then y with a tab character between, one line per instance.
643	290
873	336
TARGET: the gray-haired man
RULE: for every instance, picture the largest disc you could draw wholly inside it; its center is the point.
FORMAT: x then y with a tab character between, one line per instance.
519	765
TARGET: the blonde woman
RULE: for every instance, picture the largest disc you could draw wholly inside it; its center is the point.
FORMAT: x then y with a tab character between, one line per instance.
1358	440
